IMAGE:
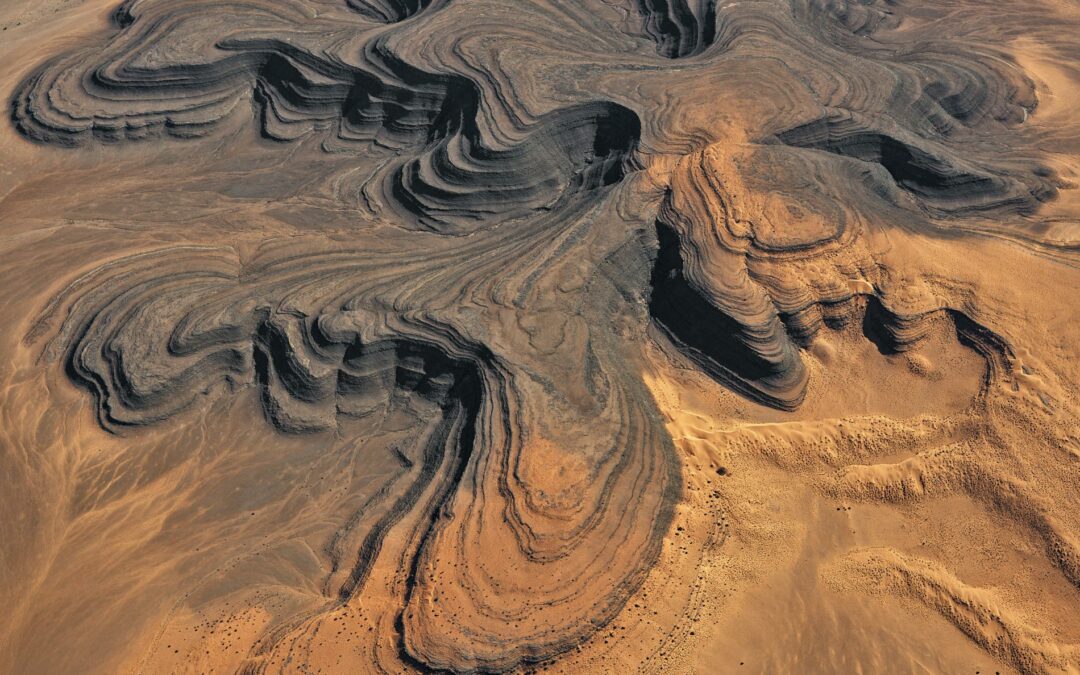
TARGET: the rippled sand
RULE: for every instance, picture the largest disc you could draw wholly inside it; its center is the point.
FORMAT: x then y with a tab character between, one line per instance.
601	336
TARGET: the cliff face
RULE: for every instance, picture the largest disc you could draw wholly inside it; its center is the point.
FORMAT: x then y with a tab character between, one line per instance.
481	336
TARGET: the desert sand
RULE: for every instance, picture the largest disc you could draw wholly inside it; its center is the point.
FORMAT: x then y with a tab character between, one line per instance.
665	336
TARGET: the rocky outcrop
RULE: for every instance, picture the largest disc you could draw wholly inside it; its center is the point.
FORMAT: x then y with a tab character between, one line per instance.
506	201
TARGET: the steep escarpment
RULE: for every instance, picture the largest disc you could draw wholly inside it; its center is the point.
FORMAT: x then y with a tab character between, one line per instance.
755	358
391	11
459	182
942	183
680	28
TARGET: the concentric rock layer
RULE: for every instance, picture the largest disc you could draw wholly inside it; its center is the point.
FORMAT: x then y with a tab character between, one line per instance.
471	225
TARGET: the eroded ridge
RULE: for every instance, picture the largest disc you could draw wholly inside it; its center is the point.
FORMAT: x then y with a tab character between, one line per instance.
391	11
473	215
744	280
567	567
680	28
751	266
942	183
459	175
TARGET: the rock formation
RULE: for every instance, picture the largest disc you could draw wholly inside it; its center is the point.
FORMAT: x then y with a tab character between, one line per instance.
447	243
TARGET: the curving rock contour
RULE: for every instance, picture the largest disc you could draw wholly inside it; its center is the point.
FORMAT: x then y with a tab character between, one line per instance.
448	241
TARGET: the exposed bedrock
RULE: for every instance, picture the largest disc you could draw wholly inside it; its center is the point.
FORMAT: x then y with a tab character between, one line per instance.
725	286
746	276
133	96
391	11
755	358
939	88
460	182
848	17
895	333
530	533
943	182
762	361
485	194
457	177
680	28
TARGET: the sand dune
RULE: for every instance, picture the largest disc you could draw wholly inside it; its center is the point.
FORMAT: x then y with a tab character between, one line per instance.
473	336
